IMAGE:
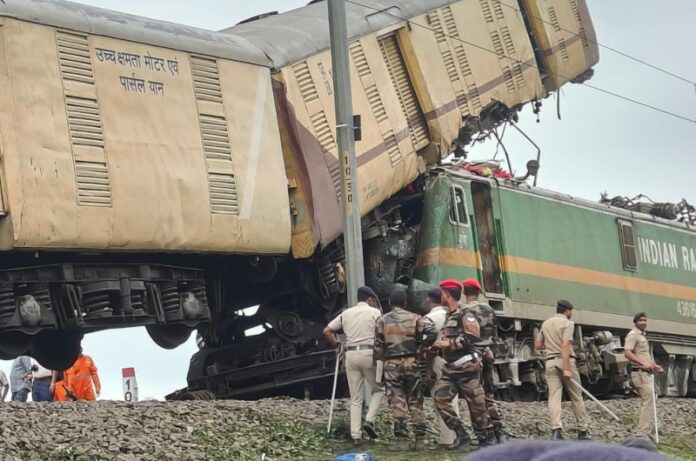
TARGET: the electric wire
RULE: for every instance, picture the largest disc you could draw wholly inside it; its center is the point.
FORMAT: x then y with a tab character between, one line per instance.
619	52
525	64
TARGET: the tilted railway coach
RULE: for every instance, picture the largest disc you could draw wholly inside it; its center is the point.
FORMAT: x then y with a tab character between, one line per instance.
161	175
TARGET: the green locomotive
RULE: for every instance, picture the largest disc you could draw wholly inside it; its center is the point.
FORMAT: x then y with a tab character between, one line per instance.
530	247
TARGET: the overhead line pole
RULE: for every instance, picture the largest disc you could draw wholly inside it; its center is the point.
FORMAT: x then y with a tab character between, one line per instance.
345	136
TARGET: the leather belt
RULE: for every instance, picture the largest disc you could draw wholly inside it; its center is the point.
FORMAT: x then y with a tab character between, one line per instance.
359	347
554	357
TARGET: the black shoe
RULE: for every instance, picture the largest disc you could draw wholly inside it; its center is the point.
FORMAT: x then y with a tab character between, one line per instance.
583	435
557	434
369	428
461	439
400	429
500	435
486	438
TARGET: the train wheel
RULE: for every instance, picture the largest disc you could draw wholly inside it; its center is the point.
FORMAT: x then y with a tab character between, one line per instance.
169	336
14	344
56	350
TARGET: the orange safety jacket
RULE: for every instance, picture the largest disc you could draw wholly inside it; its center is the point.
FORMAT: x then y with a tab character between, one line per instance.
60	392
80	377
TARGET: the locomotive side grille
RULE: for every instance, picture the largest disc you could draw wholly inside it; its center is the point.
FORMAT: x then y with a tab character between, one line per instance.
404	90
74	57
223	193
84	122
450	66
305	82
359	59
93	186
216	138
206	79
583	37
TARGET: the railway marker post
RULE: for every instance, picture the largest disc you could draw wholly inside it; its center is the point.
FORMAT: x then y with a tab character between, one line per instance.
130	385
345	136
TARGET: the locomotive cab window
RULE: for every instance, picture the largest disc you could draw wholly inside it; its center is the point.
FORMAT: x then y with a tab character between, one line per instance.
458	213
628	245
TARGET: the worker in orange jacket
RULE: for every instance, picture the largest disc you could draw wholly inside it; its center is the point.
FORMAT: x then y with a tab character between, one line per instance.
80	377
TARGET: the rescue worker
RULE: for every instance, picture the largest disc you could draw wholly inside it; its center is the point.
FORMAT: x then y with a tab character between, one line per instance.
80	377
398	336
556	337
358	325
437	315
461	373
59	388
637	351
487	321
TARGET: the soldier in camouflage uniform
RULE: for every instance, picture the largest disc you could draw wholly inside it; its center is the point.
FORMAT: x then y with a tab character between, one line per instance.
461	374
398	336
486	318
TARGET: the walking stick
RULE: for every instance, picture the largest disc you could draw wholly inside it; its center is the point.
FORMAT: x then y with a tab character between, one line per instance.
333	392
595	400
652	385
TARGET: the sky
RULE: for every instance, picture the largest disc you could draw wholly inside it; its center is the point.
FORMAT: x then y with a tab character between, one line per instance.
601	144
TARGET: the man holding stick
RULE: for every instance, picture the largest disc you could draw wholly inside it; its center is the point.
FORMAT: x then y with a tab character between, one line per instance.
637	351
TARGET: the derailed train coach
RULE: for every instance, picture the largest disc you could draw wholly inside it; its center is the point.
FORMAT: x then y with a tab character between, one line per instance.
161	175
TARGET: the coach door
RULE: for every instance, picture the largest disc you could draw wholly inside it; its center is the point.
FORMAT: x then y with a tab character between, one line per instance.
486	237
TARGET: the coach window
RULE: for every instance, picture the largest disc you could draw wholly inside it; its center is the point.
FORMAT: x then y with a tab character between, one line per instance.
628	245
458	214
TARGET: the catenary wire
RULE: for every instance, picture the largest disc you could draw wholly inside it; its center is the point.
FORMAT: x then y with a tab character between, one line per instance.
525	64
619	52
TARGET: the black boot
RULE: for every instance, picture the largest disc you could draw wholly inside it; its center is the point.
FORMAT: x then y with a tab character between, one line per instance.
400	429
584	435
462	438
557	434
369	428
500	435
486	438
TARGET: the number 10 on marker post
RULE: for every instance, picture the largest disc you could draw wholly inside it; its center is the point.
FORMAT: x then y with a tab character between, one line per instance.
130	385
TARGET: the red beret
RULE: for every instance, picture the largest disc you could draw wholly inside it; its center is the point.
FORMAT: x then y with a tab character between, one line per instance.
472	283
450	283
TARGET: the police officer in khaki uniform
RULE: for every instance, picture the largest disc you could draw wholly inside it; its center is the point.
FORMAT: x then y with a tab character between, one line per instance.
556	337
637	351
358	325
